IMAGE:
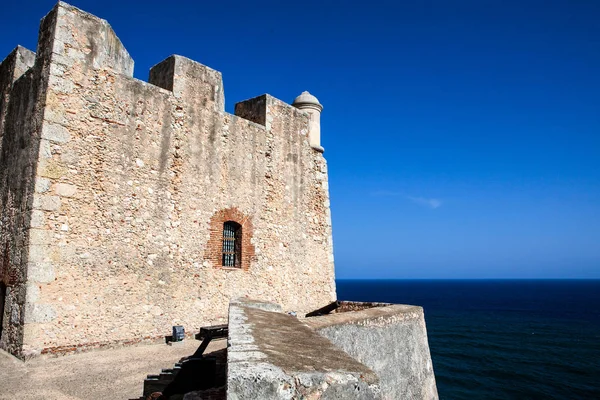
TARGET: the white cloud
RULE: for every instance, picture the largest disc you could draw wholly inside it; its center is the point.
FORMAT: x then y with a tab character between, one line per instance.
422	201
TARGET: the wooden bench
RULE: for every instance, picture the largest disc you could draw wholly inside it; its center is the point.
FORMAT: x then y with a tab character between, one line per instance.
208	333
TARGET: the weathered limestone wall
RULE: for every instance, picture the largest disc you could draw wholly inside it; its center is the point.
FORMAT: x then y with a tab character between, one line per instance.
23	86
17	164
391	340
11	69
273	356
129	177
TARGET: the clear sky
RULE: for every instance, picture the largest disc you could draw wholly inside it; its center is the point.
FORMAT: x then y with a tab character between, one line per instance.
463	137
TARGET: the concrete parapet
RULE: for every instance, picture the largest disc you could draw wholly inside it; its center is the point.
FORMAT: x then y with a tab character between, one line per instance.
272	355
391	340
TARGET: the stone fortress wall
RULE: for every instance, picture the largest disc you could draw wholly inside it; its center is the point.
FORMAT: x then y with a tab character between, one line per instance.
114	192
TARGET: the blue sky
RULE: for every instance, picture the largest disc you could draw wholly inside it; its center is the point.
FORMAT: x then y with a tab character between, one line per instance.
463	137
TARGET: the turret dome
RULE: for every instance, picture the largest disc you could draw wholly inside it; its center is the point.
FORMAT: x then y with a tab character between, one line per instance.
306	99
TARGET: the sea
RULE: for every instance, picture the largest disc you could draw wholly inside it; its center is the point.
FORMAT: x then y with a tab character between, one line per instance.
503	339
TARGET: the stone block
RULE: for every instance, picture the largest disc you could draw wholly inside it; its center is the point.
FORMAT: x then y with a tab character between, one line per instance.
45	148
50	168
39	313
41	272
38	219
60	85
46	203
33	292
65	189
40	236
39	253
42	184
55	132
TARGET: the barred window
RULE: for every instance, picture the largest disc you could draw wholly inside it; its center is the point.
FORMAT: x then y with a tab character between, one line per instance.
232	244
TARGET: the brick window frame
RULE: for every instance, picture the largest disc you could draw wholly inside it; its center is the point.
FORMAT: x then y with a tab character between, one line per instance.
214	247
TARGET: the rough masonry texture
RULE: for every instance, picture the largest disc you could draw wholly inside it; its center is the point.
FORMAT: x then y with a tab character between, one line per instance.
129	207
114	191
391	339
273	356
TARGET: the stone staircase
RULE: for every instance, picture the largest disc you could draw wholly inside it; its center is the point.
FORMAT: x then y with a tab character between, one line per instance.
158	383
194	378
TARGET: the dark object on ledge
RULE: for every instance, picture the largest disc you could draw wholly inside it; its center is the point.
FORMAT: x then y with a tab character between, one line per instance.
324	310
345	306
208	333
178	333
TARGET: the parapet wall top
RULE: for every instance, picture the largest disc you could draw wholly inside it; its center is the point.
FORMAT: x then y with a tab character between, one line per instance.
311	105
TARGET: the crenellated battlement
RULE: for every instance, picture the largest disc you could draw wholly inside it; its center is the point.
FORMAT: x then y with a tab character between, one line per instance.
69	36
72	40
19	61
190	81
115	192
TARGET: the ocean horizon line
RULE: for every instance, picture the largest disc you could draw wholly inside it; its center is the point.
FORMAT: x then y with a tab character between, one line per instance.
467	279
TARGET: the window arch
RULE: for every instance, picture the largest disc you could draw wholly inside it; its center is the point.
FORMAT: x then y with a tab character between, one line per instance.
232	245
221	224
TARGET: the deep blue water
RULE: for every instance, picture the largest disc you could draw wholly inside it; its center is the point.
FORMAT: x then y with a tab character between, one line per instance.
503	339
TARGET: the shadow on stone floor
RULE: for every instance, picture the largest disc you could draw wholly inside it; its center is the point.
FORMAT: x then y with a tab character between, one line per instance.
192	378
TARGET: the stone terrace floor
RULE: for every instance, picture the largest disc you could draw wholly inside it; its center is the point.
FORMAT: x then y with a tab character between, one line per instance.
102	374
